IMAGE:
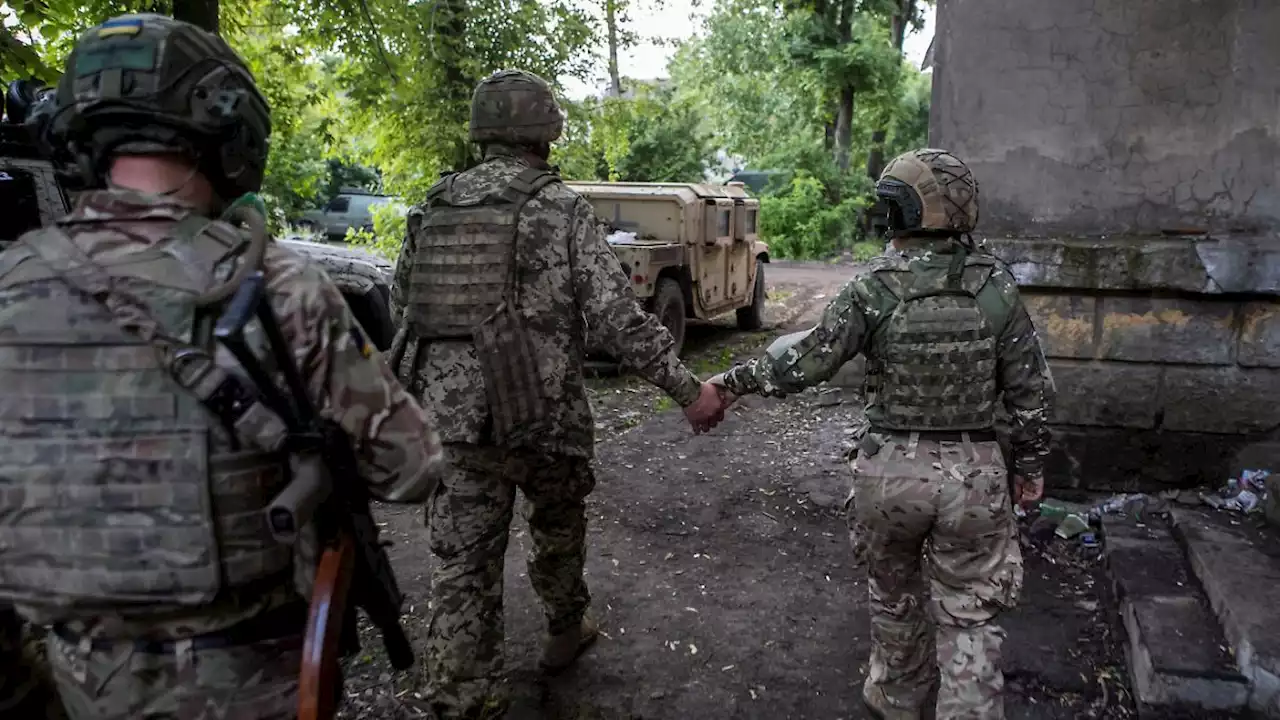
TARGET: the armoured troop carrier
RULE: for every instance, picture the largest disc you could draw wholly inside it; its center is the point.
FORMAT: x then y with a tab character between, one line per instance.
691	250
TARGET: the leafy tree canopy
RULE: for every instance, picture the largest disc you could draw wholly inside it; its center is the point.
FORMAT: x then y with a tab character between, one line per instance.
376	93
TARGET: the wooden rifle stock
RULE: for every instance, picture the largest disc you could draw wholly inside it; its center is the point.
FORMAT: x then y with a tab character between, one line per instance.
318	680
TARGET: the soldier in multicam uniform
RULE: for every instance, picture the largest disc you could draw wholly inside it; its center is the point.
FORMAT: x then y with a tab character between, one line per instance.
945	333
135	465
502	284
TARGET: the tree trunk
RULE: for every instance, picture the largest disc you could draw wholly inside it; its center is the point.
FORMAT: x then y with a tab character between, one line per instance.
844	111
201	13
611	22
898	27
844	128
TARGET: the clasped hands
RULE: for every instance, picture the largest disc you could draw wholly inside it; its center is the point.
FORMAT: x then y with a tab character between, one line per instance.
708	410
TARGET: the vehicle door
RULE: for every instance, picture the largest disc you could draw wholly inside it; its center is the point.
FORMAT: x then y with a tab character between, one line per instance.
336	216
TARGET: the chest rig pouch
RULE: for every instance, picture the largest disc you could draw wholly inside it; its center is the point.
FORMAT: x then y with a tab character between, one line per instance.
934	364
466	284
121	490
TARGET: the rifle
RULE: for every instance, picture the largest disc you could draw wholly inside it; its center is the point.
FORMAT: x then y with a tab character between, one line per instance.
354	570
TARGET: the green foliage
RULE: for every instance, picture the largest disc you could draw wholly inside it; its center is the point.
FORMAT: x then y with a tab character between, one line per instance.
908	128
389	227
803	221
656	136
767	79
376	94
665	140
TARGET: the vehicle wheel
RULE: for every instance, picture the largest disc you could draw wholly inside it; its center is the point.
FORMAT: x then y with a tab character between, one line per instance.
373	312
751	317
668	305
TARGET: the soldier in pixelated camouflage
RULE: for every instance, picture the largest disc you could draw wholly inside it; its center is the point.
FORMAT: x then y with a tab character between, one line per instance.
502	284
945	335
136	465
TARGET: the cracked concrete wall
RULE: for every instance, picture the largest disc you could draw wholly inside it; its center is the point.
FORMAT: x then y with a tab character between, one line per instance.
1128	153
1097	117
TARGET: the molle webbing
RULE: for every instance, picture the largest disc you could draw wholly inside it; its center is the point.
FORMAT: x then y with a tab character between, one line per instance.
118	489
936	369
466	262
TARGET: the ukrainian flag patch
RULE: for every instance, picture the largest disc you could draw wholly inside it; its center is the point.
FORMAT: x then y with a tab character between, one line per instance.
120	26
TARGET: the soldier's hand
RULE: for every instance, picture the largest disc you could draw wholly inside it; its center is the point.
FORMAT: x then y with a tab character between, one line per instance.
708	410
727	397
1027	492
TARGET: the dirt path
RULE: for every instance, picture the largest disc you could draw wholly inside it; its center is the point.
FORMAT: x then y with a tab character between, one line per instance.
720	568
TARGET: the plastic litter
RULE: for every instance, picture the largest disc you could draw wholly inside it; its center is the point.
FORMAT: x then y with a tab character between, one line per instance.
1071	526
1059	509
1089	539
1245	494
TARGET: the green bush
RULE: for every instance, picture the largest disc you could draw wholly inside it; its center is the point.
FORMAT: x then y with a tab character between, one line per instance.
802	221
388	232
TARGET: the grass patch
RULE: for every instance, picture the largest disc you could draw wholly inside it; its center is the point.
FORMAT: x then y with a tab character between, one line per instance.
662	404
713	364
780	295
866	250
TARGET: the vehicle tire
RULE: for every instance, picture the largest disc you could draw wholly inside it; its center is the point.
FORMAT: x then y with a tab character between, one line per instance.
668	305
373	312
751	317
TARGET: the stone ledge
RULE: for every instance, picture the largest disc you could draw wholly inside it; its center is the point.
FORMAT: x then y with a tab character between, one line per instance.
1243	586
1167	666
1202	265
1174	643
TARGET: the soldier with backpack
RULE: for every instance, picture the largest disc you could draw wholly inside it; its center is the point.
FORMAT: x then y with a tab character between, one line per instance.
137	459
945	335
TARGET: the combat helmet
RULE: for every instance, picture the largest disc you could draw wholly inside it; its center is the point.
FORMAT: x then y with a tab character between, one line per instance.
145	84
929	191
516	107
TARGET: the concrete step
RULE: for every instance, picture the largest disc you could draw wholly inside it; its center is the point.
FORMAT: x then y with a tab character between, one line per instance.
1238	564
1176	652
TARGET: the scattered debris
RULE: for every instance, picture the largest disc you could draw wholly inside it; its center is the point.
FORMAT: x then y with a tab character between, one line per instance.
1245	494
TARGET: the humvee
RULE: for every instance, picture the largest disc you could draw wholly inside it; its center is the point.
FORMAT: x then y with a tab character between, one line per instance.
34	193
691	250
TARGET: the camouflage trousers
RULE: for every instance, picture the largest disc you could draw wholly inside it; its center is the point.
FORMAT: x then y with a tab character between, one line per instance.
934	523
469	519
116	680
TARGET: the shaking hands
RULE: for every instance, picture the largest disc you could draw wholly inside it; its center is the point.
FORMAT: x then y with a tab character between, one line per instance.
708	410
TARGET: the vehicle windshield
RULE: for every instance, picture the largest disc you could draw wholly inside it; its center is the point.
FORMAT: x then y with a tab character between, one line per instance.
19	205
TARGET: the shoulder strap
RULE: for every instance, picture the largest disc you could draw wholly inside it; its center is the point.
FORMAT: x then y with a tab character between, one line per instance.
528	183
955	280
522	188
442	189
230	400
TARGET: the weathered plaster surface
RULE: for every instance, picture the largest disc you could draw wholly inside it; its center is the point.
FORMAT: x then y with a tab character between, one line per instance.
1104	116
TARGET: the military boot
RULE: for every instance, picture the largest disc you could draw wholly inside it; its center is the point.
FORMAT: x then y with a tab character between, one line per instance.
561	650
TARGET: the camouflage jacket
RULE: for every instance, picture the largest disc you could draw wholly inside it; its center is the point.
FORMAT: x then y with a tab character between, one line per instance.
575	295
849	323
395	445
